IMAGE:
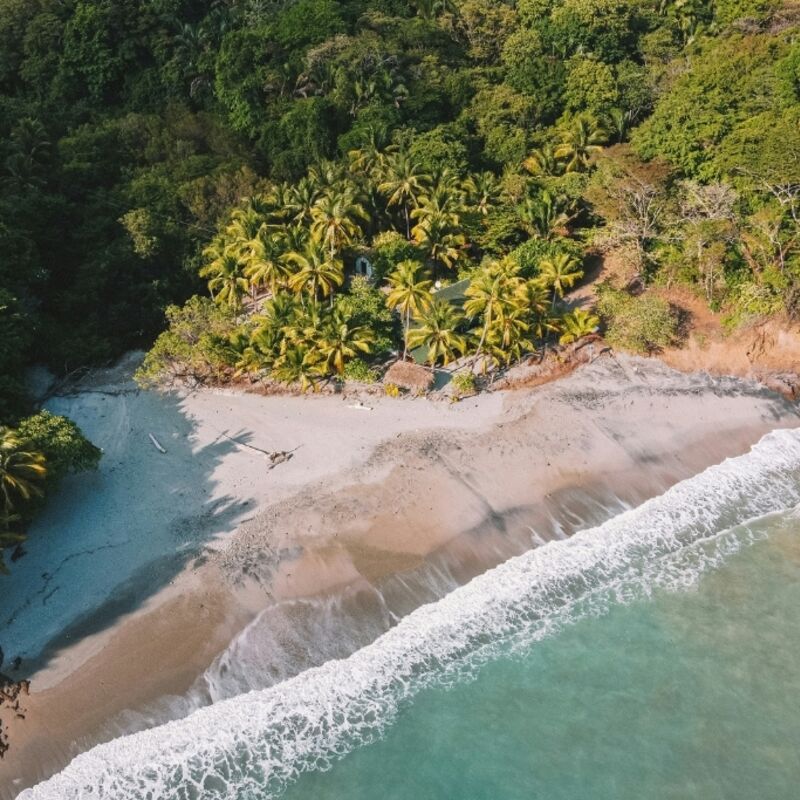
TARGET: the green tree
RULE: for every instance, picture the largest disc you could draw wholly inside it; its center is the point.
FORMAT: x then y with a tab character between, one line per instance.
437	330
403	184
559	273
61	442
22	471
318	273
580	142
410	294
577	324
341	340
335	220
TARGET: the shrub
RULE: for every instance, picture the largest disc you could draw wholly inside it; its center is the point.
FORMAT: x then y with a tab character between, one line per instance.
643	324
358	370
464	384
391	390
196	344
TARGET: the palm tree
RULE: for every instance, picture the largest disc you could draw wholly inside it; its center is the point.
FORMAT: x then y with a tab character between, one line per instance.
440	243
543	215
492	293
318	272
437	330
483	191
240	233
559	273
542	162
299	364
334	220
577	324
580	142
302	198
410	294
267	265
403	185
507	340
533	298
227	282
21	470
365	160
341	341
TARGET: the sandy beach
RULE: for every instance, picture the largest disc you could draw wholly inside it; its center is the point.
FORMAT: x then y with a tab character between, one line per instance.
137	578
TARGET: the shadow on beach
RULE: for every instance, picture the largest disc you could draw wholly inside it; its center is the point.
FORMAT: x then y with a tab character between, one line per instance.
110	540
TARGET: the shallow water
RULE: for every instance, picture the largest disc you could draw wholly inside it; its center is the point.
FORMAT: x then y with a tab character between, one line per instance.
683	695
654	656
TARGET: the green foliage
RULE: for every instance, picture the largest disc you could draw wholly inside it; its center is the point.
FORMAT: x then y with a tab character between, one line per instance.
62	443
464	384
196	345
643	324
358	370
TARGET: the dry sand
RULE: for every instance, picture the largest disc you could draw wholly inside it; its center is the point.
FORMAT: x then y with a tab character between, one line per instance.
153	565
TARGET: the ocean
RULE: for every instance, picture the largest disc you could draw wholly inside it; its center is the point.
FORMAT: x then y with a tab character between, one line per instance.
654	656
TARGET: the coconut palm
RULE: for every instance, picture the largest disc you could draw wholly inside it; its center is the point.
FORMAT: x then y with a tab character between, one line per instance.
404	183
507	339
266	266
341	340
366	160
335	220
242	231
491	293
544	215
577	324
438	241
437	329
317	271
410	294
299	364
559	273
534	299
302	198
482	191
22	471
543	162
227	281
580	142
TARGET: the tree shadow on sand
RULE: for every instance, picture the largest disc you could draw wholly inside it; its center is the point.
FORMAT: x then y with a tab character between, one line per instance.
110	540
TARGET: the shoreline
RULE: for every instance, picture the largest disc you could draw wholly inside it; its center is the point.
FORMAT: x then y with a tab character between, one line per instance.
460	496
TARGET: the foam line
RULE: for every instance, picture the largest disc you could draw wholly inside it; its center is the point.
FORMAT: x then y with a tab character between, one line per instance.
253	744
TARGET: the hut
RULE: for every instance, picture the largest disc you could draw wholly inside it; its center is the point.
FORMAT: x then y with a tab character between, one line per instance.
410	376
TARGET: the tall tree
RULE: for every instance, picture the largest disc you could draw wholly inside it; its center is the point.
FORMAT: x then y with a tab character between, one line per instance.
403	184
410	294
438	329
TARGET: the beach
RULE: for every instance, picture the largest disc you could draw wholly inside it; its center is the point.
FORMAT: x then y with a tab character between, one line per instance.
138	577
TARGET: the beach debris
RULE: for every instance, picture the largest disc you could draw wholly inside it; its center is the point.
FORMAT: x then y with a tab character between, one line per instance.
10	693
280	457
359	406
157	444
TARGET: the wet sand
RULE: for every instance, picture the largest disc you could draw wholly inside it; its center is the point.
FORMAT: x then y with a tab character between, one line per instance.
407	487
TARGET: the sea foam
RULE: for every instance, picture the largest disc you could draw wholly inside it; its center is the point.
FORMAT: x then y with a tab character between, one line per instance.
251	745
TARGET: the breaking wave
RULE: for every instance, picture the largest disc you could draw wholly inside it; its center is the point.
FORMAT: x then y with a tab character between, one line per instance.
250	746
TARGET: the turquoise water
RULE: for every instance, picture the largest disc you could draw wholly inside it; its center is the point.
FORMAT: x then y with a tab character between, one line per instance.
684	695
655	656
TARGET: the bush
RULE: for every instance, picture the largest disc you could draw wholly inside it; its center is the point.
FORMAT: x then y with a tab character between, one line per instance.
464	384
644	324
61	441
358	370
392	390
196	345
